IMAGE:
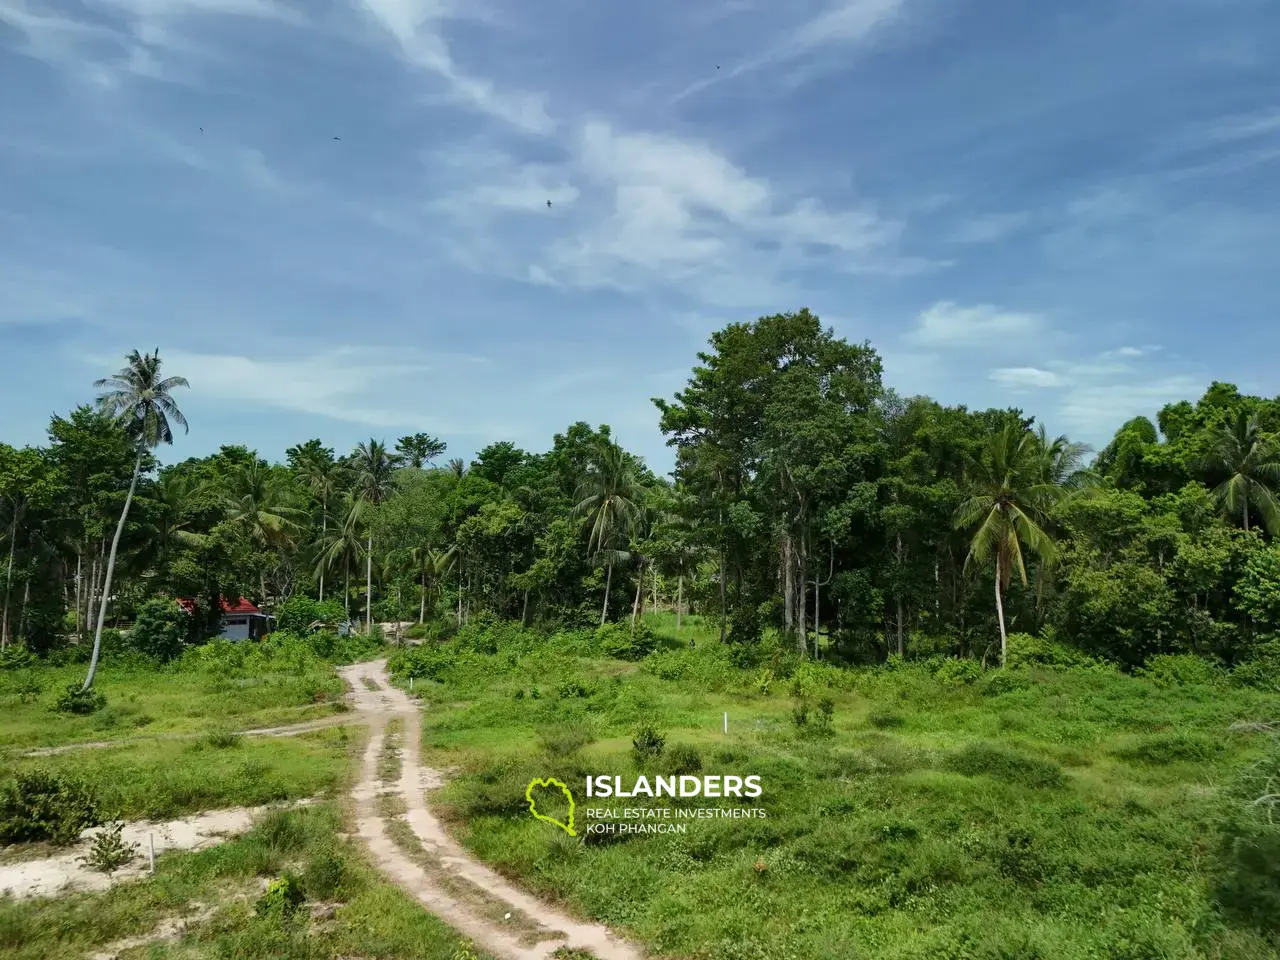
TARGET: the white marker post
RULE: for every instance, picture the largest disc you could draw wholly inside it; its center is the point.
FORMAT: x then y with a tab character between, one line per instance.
411	683
151	851
726	721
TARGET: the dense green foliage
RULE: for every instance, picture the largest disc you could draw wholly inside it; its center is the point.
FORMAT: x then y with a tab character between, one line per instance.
39	804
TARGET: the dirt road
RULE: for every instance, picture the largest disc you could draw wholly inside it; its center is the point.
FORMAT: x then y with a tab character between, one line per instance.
427	863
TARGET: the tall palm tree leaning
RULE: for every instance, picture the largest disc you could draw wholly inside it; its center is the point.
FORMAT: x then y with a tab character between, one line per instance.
1013	484
140	400
608	498
374	468
1251	462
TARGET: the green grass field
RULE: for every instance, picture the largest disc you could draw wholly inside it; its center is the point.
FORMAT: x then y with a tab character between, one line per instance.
356	913
943	813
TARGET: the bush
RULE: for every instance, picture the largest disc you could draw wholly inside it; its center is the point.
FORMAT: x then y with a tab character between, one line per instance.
647	745
982	759
284	895
1171	748
565	740
682	760
16	657
325	875
1180	670
159	629
110	851
958	672
1024	650
620	641
884	720
1004	681
42	805
745	628
75	700
298	613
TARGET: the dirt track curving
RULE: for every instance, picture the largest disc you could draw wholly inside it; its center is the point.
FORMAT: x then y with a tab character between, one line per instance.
439	873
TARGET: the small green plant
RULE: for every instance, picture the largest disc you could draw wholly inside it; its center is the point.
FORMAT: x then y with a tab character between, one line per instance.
43	805
222	739
647	745
29	691
565	740
465	951
763	681
110	851
885	720
800	714
284	895
75	700
16	657
325	875
682	760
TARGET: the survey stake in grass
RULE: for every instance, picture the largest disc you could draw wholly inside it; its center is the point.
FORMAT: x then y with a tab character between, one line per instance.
686	786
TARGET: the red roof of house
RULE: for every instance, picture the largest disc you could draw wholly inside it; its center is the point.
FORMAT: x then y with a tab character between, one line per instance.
240	606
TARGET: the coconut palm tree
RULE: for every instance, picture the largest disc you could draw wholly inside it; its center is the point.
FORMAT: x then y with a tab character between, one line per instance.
343	544
256	502
323	478
609	494
374	468
1013	484
142	402
1251	462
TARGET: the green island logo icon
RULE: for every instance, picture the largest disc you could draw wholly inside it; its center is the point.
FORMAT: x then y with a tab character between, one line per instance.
533	804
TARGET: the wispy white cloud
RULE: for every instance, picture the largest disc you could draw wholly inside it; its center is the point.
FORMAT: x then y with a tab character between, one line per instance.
655	211
417	26
837	24
1017	378
950	324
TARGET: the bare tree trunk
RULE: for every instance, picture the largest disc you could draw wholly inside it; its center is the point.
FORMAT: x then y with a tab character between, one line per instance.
368	579
898	591
524	609
460	592
111	569
79	587
8	581
788	586
608	583
422	602
679	599
635	607
817	612
346	593
802	594
724	607
324	530
1246	514
22	617
1004	640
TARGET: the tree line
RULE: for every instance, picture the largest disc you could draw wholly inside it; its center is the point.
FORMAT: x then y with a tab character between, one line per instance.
807	497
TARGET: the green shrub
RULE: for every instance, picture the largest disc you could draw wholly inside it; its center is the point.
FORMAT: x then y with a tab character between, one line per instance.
16	657
1004	681
298	613
620	641
884	720
985	760
1164	749
1024	650
76	700
745	628
682	760
566	739
1248	875
1180	670
326	875
647	745
110	851
284	895
42	805
159	630
222	739
958	672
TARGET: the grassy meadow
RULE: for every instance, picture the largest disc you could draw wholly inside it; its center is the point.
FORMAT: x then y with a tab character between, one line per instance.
931	810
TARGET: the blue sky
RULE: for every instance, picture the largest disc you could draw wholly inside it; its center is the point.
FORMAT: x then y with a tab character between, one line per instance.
1069	207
